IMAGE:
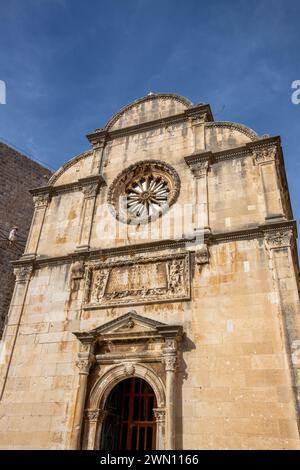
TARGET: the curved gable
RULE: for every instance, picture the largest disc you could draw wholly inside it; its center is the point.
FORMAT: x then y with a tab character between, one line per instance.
221	135
78	167
149	108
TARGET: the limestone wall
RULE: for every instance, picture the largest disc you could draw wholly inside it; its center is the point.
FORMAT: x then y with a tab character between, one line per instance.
235	296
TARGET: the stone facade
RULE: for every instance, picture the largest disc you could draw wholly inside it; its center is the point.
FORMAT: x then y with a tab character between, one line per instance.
196	292
18	174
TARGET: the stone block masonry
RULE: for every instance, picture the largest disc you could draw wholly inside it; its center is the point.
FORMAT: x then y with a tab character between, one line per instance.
18	174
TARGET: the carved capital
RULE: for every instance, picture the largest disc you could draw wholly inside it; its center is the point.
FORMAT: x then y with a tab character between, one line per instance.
200	169
170	363
90	190
265	155
278	239
84	363
40	201
99	144
129	369
159	414
92	415
202	255
198	119
23	274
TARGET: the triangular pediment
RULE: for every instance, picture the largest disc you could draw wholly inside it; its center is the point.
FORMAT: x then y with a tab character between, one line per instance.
130	323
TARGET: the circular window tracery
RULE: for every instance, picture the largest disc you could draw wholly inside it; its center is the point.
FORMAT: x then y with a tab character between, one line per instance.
144	191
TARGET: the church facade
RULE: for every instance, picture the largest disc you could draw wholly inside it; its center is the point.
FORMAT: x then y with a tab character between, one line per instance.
156	305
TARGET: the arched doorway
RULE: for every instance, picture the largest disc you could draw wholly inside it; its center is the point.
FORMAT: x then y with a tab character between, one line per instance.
129	423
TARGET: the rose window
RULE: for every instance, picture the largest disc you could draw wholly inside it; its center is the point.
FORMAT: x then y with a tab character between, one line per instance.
144	191
146	196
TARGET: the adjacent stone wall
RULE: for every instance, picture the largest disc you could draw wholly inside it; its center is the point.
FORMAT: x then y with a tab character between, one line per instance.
18	174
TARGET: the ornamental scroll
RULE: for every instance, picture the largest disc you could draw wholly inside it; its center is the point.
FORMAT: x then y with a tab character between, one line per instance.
137	280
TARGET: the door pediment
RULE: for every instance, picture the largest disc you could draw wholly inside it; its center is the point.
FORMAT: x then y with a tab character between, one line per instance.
128	329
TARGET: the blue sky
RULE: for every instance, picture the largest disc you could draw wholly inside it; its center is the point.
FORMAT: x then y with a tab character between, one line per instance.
69	65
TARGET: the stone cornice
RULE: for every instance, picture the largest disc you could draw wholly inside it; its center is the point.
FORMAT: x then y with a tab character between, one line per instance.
100	134
258	232
229	154
196	158
74	186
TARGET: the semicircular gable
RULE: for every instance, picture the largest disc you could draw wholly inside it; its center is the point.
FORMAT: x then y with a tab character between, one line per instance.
78	167
222	135
149	108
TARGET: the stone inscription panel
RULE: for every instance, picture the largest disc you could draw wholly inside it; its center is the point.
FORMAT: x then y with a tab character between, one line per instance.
139	281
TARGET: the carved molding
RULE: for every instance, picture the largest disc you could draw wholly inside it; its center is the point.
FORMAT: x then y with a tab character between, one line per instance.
23	273
278	239
265	155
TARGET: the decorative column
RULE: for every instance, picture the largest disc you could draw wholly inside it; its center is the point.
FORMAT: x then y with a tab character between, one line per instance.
84	363
265	159
279	243
23	276
173	336
160	417
41	202
90	187
170	362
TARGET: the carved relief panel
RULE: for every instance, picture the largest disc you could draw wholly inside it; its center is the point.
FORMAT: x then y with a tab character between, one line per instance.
137	280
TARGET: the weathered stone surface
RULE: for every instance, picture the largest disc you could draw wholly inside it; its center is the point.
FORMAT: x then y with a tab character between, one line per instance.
204	307
18	174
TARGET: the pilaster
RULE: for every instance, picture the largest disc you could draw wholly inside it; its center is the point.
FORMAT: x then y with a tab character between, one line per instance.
265	158
279	242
